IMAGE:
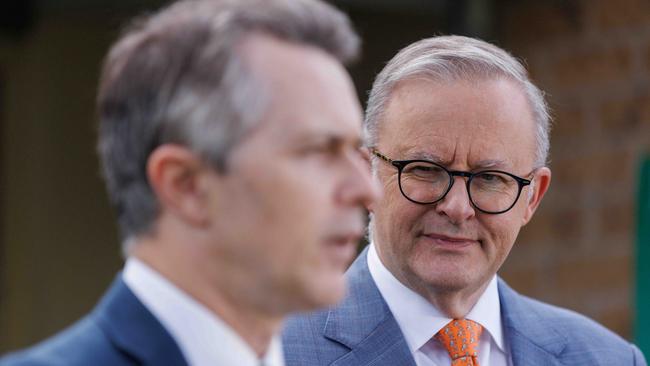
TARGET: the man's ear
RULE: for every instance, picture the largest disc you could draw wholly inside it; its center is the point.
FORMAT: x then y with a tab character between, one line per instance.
542	181
176	176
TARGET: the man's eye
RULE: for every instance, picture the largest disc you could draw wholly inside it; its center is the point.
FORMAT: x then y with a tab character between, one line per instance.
488	177
493	180
424	171
324	149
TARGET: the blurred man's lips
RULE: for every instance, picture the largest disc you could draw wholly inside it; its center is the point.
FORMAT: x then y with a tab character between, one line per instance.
450	242
345	239
343	247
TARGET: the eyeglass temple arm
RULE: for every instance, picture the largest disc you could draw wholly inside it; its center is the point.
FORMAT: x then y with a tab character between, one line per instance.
381	156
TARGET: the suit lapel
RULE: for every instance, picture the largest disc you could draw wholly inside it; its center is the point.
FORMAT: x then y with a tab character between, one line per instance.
532	340
134	330
364	323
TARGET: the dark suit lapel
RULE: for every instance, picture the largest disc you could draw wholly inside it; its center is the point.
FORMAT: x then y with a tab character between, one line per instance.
134	330
532	340
364	323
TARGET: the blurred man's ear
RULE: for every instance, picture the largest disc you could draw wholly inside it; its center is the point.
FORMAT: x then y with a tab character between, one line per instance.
177	176
365	153
542	181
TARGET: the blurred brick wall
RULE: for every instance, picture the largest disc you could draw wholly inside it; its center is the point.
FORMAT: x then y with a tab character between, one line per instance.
593	59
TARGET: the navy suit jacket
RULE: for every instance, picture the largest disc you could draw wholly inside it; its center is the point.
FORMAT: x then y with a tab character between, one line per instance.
119	331
361	331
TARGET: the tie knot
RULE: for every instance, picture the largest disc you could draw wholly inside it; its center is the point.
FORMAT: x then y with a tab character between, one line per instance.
460	338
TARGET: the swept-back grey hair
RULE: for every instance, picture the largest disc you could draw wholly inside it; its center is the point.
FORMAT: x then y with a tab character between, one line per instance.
176	77
451	58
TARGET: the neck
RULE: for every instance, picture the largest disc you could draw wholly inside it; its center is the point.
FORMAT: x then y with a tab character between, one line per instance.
455	304
453	301
253	325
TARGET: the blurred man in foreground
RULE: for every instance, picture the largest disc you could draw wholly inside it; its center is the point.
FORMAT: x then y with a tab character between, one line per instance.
460	138
229	137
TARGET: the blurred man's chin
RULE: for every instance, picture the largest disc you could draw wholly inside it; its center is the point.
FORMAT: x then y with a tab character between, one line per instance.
328	291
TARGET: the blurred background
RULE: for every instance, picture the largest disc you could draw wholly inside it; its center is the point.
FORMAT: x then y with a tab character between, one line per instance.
588	248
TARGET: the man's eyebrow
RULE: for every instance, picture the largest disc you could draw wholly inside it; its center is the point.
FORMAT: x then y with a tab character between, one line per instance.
421	155
329	137
490	164
479	165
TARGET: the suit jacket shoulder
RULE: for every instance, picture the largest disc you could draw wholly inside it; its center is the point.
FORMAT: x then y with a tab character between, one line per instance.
119	331
362	331
536	328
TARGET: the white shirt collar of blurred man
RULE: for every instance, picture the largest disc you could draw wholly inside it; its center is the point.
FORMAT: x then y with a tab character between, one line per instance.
419	320
200	334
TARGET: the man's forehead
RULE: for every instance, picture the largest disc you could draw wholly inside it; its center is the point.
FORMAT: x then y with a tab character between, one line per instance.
487	123
446	156
281	61
311	96
317	129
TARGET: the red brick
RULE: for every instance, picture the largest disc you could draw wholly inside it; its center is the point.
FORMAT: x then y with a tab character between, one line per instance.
585	261
614	170
647	57
568	120
545	20
626	116
605	168
560	228
608	14
593	275
537	229
572	171
567	224
618	320
584	67
523	279
644	111
616	219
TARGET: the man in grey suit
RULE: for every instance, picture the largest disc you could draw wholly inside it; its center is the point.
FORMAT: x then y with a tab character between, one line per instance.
229	136
459	137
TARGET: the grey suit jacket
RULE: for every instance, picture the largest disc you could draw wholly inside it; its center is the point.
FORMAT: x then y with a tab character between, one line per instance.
362	331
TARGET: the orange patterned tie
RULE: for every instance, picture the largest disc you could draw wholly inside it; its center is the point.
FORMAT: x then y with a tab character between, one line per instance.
460	338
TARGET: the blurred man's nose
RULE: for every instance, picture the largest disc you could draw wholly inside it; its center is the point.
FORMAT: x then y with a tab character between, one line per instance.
359	186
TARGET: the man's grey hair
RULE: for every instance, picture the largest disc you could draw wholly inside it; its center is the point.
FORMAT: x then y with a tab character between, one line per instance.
177	77
453	58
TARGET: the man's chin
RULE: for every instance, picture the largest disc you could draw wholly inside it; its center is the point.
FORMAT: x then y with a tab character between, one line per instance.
447	279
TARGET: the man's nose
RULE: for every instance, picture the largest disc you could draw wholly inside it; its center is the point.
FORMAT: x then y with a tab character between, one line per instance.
456	205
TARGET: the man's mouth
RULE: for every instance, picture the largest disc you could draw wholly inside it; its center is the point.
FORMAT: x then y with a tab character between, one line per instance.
450	242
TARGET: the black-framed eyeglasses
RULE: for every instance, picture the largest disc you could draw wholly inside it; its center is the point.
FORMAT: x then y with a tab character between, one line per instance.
425	182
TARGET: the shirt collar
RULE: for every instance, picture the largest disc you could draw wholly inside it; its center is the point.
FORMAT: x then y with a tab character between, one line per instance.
201	335
418	319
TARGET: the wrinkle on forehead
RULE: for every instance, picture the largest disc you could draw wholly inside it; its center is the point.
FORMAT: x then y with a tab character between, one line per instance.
453	150
461	125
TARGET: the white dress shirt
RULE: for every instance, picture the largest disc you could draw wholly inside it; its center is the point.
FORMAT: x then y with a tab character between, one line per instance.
419	320
204	339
